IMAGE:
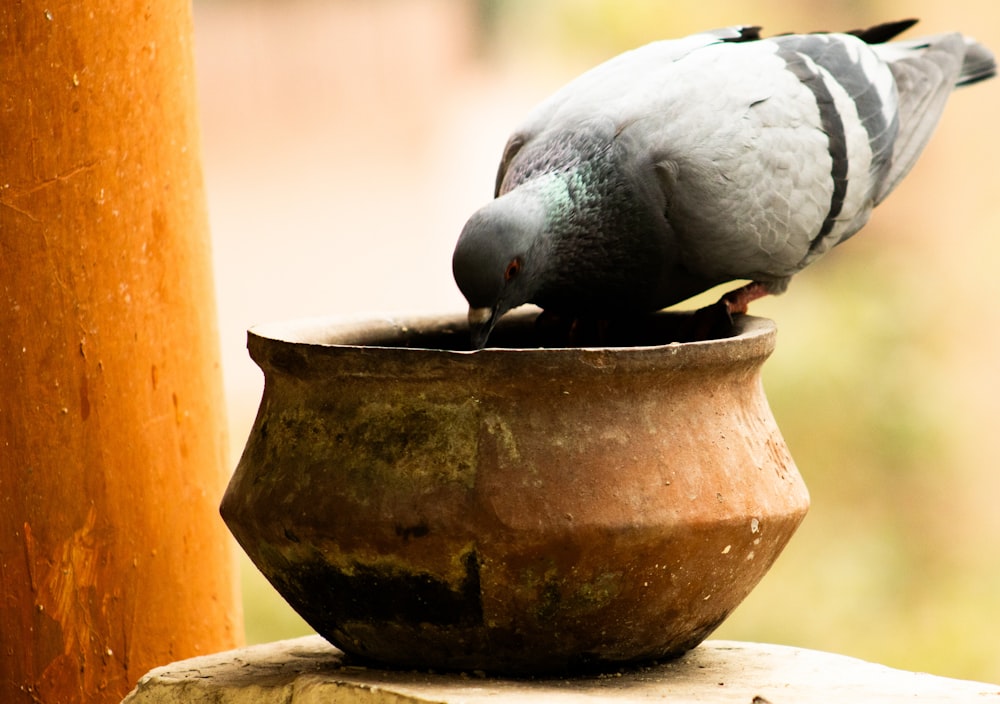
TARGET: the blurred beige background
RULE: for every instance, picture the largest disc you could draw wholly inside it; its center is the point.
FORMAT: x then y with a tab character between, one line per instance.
346	142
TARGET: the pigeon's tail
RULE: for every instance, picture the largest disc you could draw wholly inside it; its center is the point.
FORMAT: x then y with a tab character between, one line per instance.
978	65
978	62
926	71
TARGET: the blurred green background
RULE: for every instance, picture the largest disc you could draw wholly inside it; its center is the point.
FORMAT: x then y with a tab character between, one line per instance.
346	142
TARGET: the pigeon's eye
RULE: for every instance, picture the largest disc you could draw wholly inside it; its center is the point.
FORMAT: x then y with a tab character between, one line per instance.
513	269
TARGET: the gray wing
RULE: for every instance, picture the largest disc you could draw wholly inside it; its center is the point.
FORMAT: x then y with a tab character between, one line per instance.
769	153
873	106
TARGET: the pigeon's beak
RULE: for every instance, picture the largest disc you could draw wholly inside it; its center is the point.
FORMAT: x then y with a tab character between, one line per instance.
481	322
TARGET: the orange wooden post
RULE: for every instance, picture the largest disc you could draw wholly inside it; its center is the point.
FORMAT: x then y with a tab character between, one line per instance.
112	440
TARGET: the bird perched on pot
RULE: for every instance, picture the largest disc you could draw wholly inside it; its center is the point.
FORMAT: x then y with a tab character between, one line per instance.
688	163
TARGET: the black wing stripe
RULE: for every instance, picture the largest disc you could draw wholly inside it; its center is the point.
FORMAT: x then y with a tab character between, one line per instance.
745	33
832	125
833	56
881	33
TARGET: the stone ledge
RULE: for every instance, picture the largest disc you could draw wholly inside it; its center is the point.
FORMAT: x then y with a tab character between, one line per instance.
309	671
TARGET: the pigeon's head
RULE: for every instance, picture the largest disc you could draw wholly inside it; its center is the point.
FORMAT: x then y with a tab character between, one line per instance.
499	260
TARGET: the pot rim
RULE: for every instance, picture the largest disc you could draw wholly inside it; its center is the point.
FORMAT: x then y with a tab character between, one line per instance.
370	331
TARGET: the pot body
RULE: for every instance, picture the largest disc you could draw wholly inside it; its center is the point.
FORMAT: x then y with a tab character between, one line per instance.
511	510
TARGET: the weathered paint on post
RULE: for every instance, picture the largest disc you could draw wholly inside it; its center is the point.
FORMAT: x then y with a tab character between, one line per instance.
112	438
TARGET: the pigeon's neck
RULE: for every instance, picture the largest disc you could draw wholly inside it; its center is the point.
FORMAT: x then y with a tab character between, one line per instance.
585	193
603	239
555	194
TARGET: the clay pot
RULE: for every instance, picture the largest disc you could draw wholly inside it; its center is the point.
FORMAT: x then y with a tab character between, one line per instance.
514	510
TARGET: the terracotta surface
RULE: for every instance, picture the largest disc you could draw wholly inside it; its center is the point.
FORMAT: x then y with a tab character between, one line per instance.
511	510
112	436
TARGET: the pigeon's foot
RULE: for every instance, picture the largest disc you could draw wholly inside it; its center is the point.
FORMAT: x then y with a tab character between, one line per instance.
713	322
716	320
738	300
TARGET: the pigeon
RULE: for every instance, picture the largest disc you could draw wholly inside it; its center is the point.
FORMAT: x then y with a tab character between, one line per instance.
689	163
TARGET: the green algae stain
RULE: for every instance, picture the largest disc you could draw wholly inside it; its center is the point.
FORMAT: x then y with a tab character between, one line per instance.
394	444
406	446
